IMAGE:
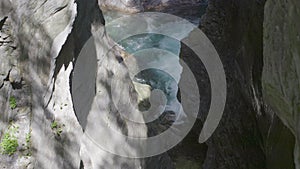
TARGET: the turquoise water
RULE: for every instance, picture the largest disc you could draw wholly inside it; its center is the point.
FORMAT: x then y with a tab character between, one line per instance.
146	41
157	55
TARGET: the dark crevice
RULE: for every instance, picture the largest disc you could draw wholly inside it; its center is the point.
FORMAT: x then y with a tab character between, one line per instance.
81	165
60	8
17	85
2	22
7	76
88	14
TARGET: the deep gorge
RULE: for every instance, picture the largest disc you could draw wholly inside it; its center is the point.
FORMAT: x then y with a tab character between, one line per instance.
55	90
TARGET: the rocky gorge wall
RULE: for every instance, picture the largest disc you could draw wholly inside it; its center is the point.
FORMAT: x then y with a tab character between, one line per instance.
39	35
133	6
253	38
49	36
40	42
250	128
235	29
281	64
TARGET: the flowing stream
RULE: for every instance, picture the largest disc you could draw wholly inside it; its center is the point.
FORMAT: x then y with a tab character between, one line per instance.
156	54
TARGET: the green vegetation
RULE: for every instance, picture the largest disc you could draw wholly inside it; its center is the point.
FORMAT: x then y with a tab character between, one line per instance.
28	138
28	143
59	131
12	102
54	125
57	128
9	142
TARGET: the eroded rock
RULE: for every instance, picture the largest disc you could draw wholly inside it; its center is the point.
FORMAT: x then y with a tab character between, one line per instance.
281	64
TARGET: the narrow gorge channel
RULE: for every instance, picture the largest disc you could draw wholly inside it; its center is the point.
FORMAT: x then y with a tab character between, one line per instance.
157	57
85	83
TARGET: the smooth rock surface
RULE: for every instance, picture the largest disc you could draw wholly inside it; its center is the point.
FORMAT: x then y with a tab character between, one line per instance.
39	68
281	64
40	29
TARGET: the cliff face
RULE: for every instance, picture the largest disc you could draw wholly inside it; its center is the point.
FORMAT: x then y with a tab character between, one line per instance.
133	6
35	45
46	39
259	46
47	88
281	64
235	29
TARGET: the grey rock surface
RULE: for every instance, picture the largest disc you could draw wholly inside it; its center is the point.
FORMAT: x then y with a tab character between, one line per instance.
39	29
260	83
95	69
235	29
4	103
281	64
130	6
50	37
15	94
133	6
39	47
